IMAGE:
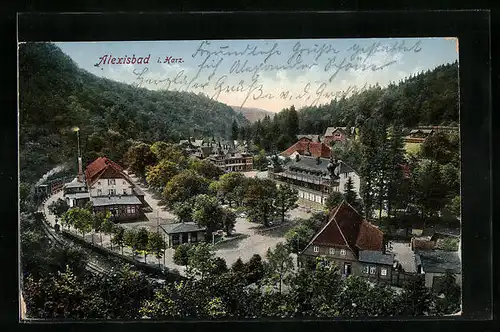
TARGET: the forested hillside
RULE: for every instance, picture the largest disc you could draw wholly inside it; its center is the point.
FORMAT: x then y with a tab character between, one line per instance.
56	95
429	98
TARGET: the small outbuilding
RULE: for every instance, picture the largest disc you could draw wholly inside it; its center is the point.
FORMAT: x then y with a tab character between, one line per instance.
179	233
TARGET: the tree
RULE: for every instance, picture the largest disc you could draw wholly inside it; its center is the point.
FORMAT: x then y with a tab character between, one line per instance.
279	267
448	300
238	268
156	245
201	259
286	200
259	200
184	210
396	195
142	241
107	227
183	186
333	200
80	219
438	147
430	193
59	207
254	269
416	299
97	222
138	157
454	206
298	237
260	161
158	175
181	255
227	186
207	213
234	131
168	152
220	266
349	193
119	236
228	220
130	240
205	168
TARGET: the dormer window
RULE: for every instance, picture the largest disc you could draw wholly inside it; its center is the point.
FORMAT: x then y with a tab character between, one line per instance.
111	181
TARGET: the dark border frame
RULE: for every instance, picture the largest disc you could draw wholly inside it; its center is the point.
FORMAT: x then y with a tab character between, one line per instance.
472	29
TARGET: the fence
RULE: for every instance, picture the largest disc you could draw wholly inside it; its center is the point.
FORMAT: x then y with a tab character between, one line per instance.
399	278
144	267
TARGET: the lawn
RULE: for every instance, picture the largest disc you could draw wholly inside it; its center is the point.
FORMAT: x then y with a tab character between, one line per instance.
412	148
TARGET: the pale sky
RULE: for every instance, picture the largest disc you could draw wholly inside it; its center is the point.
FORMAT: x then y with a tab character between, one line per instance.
259	73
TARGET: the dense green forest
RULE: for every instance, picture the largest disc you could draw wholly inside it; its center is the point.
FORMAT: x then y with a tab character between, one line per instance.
55	95
429	98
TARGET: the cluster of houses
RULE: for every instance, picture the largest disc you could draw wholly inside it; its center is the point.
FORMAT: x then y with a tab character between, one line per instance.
229	156
356	245
360	248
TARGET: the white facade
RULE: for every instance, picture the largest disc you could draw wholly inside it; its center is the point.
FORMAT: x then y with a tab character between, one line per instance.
113	187
355	180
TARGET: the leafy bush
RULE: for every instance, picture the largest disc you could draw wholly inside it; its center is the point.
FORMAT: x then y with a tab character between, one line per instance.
181	255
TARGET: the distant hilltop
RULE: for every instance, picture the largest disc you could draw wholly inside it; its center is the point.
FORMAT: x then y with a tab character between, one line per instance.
252	114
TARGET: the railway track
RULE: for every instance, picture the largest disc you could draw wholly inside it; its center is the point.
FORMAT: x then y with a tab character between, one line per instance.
92	264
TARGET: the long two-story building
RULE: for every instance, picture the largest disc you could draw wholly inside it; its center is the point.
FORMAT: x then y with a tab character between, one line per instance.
312	178
356	246
107	186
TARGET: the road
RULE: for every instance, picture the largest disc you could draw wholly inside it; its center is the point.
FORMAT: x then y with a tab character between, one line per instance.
244	248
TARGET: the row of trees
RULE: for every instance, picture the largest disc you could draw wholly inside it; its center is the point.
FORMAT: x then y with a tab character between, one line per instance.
84	220
280	290
258	288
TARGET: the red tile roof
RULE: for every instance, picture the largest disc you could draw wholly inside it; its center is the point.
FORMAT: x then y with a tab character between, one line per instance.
317	149
97	168
347	228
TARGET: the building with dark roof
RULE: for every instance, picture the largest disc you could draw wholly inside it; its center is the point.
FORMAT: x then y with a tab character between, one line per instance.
354	244
435	263
307	147
109	189
311	177
179	233
337	134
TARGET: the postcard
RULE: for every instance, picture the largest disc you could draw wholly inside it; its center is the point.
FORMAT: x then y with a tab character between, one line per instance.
240	179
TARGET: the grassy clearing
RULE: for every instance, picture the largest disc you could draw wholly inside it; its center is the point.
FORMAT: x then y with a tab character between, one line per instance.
412	148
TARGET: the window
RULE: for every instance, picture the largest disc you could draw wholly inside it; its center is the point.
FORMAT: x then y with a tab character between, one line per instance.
365	269
124	182
98	183
342	252
99	192
332	251
124	191
111	181
194	237
373	269
316	249
383	271
112	192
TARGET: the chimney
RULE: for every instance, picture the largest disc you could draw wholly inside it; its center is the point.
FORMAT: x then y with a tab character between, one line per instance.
80	170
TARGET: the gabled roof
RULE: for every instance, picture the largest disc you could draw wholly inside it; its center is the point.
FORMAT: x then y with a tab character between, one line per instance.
437	261
181	228
96	168
313	138
377	257
347	228
317	149
346	130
